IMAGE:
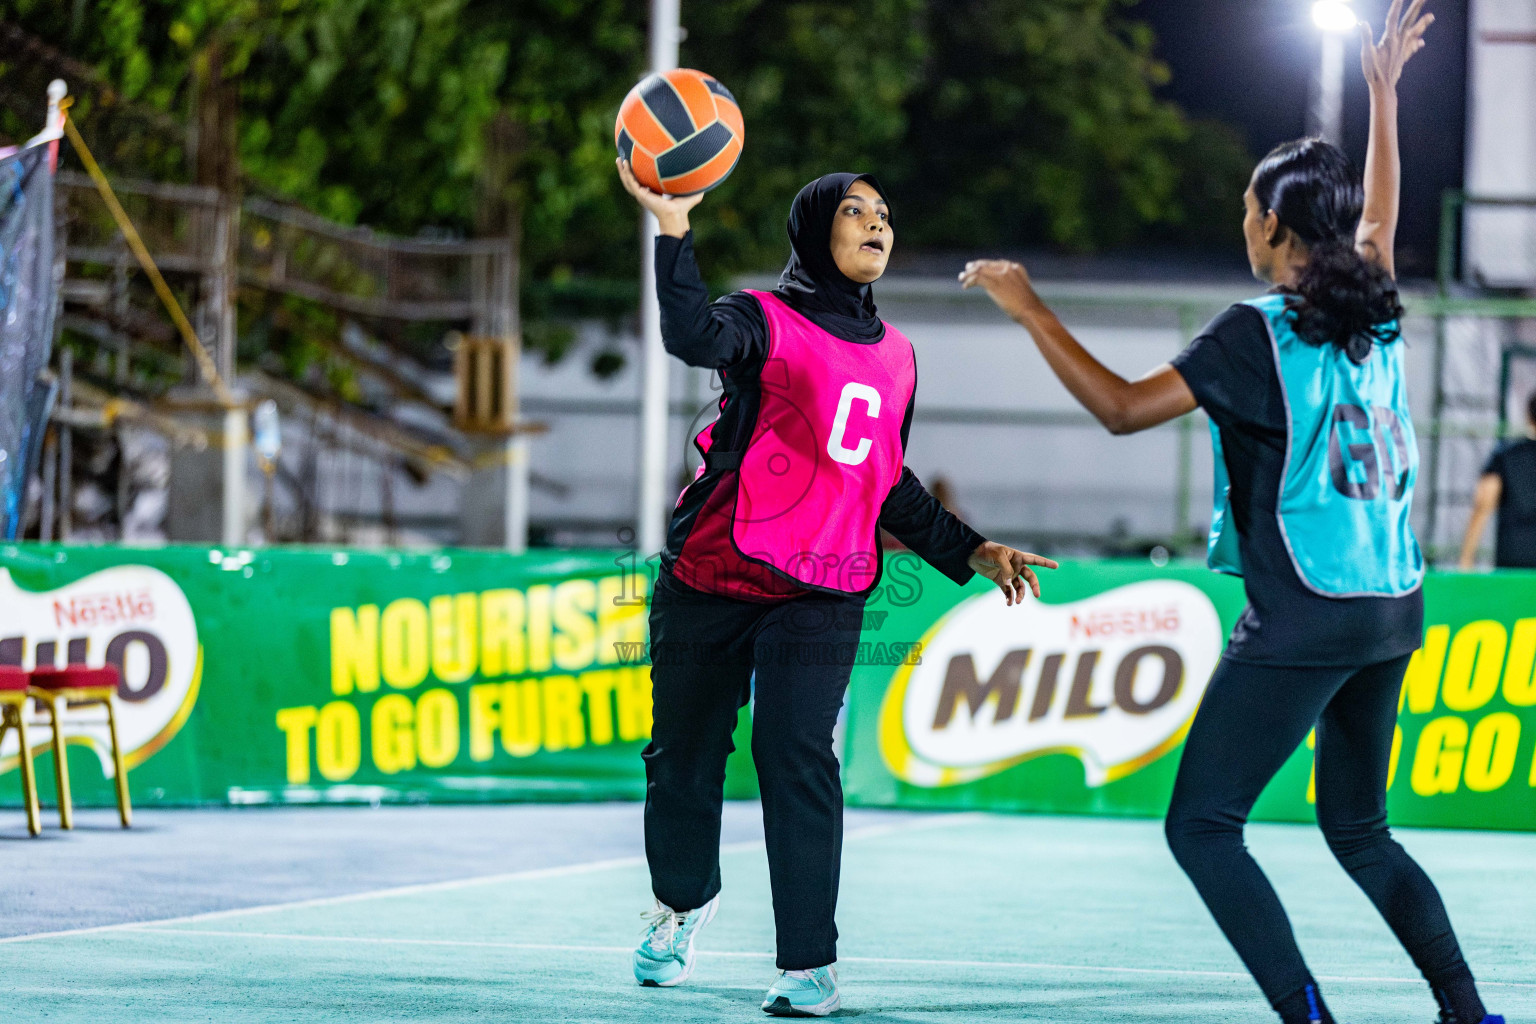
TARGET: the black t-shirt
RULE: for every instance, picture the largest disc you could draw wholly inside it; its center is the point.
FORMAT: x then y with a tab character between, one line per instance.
1515	543
1231	369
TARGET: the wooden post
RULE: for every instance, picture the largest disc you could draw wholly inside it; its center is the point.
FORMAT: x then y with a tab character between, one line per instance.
485	371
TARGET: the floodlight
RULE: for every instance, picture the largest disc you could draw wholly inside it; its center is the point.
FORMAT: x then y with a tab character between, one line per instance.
1334	15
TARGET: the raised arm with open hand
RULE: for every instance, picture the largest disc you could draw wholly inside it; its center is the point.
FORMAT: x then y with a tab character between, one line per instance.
671	211
1383	62
1123	406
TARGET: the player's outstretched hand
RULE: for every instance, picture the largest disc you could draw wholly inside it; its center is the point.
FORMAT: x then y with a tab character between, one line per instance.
1400	40
1006	282
1008	568
671	211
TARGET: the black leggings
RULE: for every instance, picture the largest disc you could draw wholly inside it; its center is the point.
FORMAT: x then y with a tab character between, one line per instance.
704	651
1251	720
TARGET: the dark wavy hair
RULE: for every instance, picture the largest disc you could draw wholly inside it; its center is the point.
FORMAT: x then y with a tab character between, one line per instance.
1342	299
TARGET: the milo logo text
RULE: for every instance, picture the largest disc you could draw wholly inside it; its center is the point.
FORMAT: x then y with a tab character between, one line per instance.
132	617
1112	680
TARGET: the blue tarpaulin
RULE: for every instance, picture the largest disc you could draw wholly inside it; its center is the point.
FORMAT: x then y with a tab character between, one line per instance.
28	302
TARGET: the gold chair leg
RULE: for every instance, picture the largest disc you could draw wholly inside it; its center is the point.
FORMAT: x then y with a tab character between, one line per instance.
28	775
60	765
12	715
124	809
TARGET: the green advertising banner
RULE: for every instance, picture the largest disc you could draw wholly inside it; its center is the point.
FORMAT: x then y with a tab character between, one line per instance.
300	676
293	676
1079	703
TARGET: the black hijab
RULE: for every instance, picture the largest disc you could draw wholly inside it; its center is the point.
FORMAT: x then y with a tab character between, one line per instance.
811	282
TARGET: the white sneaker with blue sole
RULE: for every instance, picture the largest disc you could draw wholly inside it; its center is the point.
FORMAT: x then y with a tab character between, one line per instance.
665	956
810	993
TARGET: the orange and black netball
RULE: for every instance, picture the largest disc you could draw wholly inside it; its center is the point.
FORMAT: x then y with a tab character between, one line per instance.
681	132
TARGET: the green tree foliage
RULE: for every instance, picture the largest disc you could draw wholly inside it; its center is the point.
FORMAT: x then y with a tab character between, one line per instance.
993	122
384	110
1039	123
822	87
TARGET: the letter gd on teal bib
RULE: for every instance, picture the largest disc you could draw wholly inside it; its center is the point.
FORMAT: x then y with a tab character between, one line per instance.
1351	461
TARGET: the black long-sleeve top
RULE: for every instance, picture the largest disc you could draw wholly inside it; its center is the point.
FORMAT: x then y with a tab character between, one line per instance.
731	335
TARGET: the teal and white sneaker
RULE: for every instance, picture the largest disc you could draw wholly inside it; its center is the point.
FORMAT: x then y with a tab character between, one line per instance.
810	993
666	954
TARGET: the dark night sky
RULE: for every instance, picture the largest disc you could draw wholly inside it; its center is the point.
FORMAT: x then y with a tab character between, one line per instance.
1250	63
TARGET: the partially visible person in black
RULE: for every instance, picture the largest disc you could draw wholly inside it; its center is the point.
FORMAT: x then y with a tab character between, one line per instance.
1325	646
729	621
1508	486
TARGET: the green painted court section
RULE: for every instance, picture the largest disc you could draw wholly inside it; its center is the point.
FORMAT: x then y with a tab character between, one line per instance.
944	918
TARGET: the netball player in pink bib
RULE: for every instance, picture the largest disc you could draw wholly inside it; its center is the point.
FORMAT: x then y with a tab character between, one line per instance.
772	550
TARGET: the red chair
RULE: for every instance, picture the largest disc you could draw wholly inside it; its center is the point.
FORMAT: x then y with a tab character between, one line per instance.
13	715
76	686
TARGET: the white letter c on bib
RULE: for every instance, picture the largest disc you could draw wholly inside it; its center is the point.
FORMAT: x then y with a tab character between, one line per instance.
835	447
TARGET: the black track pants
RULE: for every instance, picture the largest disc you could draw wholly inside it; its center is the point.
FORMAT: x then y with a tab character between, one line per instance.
1252	718
704	650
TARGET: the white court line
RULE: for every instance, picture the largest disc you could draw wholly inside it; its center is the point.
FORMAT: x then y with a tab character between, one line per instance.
868	832
374	940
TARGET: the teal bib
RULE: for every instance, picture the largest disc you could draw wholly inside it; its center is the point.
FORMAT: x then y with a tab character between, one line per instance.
1351	461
